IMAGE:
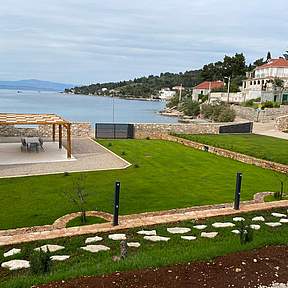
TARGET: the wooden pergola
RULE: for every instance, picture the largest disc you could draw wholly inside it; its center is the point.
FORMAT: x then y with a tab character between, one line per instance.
41	119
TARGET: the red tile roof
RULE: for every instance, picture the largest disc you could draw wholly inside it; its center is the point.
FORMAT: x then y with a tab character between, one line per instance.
210	85
275	63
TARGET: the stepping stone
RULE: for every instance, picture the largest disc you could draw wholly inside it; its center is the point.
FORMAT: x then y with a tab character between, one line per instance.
258	218
16	264
273	224
93	239
147	232
59	257
200	227
133	244
178	230
51	248
209	234
189	238
223	225
279	215
238	219
117	237
235	231
284	220
95	248
156	238
255	226
12	252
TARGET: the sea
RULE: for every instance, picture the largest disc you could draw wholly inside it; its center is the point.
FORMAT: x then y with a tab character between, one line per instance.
83	108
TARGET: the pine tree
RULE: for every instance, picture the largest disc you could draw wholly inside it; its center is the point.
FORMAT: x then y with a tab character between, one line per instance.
269	57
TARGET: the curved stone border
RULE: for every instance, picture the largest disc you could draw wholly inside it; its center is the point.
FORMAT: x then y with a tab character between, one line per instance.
228	154
61	223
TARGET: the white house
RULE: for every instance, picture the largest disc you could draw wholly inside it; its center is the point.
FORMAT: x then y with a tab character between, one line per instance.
166	94
259	83
205	88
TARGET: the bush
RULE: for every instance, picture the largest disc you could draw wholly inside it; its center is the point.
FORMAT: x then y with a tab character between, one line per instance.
173	102
270	104
190	107
218	112
246	233
40	262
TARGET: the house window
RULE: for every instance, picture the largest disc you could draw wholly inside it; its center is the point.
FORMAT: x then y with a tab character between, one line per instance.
251	83
259	82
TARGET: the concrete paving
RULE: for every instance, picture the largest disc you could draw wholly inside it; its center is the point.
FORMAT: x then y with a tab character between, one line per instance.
89	156
268	129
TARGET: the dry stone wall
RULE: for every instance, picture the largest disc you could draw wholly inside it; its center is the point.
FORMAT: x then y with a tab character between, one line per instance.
229	154
282	123
155	130
78	129
266	115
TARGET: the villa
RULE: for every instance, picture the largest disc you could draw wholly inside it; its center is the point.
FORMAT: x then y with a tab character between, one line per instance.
205	88
260	82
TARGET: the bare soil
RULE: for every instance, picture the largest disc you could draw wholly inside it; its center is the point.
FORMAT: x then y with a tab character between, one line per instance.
244	269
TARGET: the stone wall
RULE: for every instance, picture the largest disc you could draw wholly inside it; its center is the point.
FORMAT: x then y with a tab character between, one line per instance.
282	123
229	154
156	130
78	129
266	115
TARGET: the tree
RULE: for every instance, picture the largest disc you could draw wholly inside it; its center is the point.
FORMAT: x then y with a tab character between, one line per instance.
78	196
259	62
269	57
286	55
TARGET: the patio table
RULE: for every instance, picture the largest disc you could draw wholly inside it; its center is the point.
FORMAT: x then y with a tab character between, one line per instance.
32	142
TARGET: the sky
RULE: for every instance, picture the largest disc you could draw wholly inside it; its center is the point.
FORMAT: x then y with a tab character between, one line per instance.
91	41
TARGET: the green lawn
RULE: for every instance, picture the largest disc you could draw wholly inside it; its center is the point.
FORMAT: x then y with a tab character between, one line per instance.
149	254
90	220
263	147
169	175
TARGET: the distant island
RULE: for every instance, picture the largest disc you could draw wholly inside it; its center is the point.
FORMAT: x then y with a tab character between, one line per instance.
34	85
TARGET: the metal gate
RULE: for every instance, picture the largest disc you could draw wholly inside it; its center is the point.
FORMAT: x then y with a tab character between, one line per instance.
237	128
114	131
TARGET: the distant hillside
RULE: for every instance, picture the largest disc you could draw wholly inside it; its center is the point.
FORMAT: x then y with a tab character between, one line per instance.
141	87
33	84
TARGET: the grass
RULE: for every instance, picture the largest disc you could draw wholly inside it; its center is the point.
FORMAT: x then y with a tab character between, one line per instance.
150	254
89	221
263	147
169	175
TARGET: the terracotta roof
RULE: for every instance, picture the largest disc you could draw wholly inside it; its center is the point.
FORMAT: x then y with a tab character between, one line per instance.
281	62
33	119
210	85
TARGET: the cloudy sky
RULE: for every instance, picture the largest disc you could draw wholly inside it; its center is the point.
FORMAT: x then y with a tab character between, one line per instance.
86	41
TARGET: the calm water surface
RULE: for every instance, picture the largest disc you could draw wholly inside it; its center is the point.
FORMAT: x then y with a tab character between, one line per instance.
83	108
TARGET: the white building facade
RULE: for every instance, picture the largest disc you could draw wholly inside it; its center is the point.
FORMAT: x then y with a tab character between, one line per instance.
260	82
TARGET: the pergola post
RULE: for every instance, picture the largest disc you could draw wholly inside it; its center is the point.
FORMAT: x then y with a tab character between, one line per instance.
60	136
53	132
69	144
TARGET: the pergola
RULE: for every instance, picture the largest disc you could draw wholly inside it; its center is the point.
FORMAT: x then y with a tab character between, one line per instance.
41	119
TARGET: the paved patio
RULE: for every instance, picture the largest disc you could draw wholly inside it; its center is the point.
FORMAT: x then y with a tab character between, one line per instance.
87	156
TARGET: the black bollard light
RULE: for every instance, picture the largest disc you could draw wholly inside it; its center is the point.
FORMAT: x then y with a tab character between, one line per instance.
116	204
238	191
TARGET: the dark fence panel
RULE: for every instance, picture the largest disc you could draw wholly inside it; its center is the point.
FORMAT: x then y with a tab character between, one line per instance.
237	128
114	131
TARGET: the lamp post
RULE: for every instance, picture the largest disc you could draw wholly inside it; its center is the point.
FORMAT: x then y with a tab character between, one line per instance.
228	90
113	108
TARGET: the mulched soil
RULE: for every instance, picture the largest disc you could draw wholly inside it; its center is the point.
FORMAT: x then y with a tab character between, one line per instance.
239	270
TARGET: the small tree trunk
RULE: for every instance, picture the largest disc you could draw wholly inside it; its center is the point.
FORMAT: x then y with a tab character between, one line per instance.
83	217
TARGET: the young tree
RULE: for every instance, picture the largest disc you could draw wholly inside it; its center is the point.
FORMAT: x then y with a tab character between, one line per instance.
269	57
78	195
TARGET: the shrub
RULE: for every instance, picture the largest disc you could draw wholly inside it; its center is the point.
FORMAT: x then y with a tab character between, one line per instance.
246	233
190	107
40	262
173	102
218	112
123	153
270	104
136	166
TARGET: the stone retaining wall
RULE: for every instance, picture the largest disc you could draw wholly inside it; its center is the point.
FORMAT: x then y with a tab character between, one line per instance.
282	123
266	115
157	130
230	154
78	129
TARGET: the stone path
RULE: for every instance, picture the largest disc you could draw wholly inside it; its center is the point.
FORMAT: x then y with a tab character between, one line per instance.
16	236
90	156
